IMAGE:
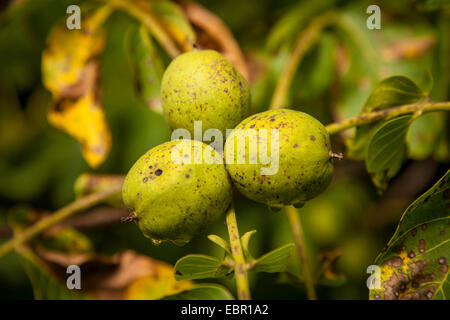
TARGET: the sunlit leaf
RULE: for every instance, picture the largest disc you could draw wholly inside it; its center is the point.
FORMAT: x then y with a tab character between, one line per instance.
414	264
157	286
70	73
199	266
65	60
85	121
125	275
220	242
245	242
273	261
387	150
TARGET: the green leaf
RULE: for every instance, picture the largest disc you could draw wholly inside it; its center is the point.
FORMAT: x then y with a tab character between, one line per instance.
203	292
387	150
414	264
199	266
44	283
390	92
244	241
273	261
315	74
393	91
149	68
220	242
292	22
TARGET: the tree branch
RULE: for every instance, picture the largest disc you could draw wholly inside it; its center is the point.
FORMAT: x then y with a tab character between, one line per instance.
299	240
305	41
147	19
61	214
385	114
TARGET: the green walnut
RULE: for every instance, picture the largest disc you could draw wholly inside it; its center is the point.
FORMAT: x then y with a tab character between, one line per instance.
279	157
176	190
202	85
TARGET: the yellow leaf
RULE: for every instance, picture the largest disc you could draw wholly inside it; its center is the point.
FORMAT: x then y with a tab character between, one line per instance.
160	284
69	51
70	73
85	121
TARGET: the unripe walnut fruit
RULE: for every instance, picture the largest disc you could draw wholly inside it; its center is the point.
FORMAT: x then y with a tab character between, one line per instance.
305	164
202	85
174	194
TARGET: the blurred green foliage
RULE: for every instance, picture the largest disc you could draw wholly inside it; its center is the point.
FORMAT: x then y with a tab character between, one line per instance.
39	164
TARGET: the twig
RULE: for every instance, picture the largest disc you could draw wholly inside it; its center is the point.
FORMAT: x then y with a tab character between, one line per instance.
211	25
243	290
58	216
149	21
385	114
305	41
299	239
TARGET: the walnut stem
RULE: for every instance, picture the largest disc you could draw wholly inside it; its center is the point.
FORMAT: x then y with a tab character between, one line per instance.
299	240
240	271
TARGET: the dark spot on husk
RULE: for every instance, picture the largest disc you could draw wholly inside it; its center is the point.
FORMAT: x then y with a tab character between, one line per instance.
158	172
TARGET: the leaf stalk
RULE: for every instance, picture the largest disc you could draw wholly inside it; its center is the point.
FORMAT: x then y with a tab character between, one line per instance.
240	270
